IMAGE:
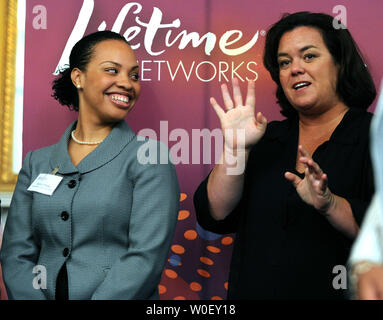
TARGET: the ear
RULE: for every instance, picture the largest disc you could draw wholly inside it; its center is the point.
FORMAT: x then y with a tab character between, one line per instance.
76	76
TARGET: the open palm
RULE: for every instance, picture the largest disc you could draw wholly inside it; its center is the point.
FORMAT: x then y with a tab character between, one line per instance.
313	188
241	128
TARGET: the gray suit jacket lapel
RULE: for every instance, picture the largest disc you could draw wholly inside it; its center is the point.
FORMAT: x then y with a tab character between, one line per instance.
110	148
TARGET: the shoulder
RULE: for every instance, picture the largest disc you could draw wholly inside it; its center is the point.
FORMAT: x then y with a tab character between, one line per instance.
277	134
41	155
278	126
153	164
150	150
358	117
151	155
356	124
144	144
279	129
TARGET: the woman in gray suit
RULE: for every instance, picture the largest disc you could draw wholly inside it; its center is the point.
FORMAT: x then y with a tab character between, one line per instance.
91	218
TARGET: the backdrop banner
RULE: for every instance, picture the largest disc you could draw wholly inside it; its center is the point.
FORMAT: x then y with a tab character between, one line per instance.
185	50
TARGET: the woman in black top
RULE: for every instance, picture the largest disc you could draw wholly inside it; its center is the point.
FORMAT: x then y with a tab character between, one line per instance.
298	205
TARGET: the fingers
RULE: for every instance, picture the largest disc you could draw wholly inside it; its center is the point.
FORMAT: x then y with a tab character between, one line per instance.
313	168
303	151
261	118
250	98
367	291
306	159
294	179
237	93
226	97
313	171
319	183
218	110
237	96
370	284
314	174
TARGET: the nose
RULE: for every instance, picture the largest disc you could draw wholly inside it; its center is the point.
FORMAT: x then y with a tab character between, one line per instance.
297	67
124	82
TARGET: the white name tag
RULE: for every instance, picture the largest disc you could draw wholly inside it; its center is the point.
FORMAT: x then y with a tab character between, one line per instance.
45	184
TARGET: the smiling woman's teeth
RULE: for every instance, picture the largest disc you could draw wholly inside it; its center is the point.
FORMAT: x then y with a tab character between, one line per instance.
301	85
119	98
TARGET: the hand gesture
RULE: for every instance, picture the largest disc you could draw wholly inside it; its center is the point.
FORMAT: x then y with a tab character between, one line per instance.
370	284
240	117
313	187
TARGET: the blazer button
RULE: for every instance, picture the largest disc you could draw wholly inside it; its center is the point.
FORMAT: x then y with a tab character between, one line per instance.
64	215
72	184
65	252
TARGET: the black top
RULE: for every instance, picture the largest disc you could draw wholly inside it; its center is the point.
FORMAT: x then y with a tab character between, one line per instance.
284	248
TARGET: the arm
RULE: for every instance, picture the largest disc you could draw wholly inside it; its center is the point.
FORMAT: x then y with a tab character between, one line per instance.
19	252
366	259
241	130
153	219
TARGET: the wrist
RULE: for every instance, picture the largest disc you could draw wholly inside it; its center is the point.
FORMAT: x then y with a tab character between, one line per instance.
238	151
234	161
330	207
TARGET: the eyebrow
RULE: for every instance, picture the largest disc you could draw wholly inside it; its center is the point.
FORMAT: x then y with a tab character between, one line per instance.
115	63
118	65
283	54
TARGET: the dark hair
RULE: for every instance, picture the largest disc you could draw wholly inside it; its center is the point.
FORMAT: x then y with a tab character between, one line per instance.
63	88
355	86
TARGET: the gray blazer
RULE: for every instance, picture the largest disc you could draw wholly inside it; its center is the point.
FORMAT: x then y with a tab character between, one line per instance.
111	220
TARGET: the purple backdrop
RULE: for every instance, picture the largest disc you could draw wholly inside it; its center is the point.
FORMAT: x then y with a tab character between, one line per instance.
198	262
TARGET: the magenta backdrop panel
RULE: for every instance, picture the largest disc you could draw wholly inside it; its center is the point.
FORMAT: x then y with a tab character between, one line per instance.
177	82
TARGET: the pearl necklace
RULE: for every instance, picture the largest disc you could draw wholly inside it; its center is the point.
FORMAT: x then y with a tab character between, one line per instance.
83	142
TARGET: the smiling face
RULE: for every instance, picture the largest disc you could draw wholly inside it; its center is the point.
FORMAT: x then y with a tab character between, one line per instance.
110	84
307	72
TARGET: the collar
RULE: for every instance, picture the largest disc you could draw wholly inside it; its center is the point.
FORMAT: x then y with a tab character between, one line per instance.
112	146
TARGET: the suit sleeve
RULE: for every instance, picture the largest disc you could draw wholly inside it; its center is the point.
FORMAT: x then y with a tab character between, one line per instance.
152	224
19	251
368	245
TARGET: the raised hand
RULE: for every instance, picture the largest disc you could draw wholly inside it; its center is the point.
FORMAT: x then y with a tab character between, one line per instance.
313	187
240	117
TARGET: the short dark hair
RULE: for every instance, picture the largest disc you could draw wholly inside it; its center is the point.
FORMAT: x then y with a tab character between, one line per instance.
355	86
63	88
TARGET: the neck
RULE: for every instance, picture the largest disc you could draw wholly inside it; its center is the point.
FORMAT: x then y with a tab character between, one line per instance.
331	116
89	131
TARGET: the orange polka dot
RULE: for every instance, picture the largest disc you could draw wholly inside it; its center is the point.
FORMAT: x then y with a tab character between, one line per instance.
206	260
213	249
161	289
203	273
227	241
183	214
171	274
179	298
176	248
190	235
195	286
226	285
216	298
183	196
